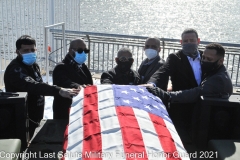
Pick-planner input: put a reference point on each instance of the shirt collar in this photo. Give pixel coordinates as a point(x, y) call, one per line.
point(150, 61)
point(198, 57)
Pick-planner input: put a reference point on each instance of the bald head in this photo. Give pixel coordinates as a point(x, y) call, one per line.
point(77, 43)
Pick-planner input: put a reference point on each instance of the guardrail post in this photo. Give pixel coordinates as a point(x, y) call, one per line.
point(89, 55)
point(46, 44)
point(163, 47)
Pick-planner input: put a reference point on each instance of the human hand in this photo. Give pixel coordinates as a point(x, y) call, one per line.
point(147, 85)
point(68, 93)
point(163, 95)
point(84, 86)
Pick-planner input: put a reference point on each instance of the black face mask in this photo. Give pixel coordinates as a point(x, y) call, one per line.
point(124, 66)
point(190, 50)
point(208, 67)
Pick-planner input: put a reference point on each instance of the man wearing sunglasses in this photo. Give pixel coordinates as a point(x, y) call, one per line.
point(122, 74)
point(72, 73)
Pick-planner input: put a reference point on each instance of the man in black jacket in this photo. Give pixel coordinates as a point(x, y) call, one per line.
point(183, 67)
point(23, 75)
point(216, 80)
point(153, 61)
point(122, 74)
point(71, 73)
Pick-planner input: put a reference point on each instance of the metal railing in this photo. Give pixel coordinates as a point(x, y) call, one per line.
point(46, 43)
point(19, 17)
point(103, 50)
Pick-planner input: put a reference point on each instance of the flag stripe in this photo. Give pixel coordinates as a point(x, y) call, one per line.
point(65, 143)
point(92, 142)
point(165, 137)
point(112, 142)
point(120, 122)
point(150, 138)
point(132, 137)
point(75, 127)
point(177, 140)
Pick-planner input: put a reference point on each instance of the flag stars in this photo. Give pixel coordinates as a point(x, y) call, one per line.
point(132, 89)
point(148, 107)
point(145, 97)
point(136, 98)
point(155, 106)
point(127, 101)
point(141, 89)
point(125, 92)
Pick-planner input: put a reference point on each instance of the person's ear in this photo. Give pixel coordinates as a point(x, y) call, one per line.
point(116, 59)
point(180, 41)
point(198, 40)
point(159, 49)
point(221, 61)
point(18, 53)
point(72, 52)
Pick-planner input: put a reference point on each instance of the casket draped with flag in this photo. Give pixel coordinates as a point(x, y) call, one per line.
point(120, 122)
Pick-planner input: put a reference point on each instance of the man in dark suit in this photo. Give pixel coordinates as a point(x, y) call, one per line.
point(215, 83)
point(73, 73)
point(153, 61)
point(183, 67)
point(216, 80)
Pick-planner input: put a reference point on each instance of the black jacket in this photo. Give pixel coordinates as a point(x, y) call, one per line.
point(177, 66)
point(19, 77)
point(68, 74)
point(115, 76)
point(146, 71)
point(212, 85)
point(179, 69)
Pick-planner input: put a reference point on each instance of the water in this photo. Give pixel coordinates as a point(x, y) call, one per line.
point(216, 20)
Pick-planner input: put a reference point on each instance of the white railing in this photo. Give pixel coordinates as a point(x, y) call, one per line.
point(19, 17)
point(46, 28)
point(103, 50)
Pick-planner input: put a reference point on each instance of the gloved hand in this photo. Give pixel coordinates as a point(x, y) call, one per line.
point(163, 95)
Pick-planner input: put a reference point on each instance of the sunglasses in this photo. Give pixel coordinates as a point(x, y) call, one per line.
point(80, 50)
point(124, 59)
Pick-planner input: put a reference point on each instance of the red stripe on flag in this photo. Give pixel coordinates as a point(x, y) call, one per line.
point(65, 142)
point(92, 141)
point(165, 137)
point(131, 134)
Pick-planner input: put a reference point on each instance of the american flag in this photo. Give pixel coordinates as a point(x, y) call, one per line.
point(120, 122)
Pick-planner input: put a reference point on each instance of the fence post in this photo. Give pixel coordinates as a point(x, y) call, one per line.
point(89, 51)
point(51, 13)
point(163, 44)
point(46, 44)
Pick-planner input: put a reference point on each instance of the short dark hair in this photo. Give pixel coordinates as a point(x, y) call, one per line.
point(123, 50)
point(26, 40)
point(189, 30)
point(154, 38)
point(218, 47)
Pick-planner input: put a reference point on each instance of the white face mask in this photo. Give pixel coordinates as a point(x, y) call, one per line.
point(150, 53)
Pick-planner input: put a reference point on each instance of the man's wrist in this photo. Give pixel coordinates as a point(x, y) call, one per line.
point(152, 83)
